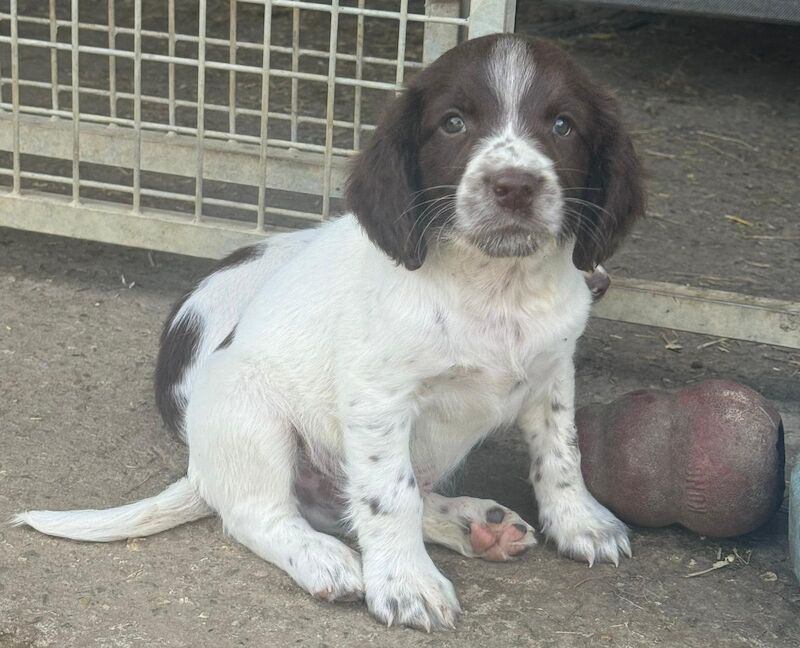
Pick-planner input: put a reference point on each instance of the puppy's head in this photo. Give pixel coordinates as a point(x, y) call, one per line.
point(502, 144)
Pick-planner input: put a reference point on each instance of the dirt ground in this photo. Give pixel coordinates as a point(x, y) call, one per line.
point(716, 110)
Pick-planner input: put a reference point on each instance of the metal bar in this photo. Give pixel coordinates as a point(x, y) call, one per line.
point(171, 56)
point(53, 56)
point(262, 163)
point(294, 107)
point(157, 193)
point(334, 43)
point(115, 224)
point(76, 116)
point(182, 130)
point(370, 13)
point(15, 143)
point(352, 11)
point(401, 42)
point(232, 73)
point(339, 123)
point(491, 16)
point(112, 60)
point(438, 37)
point(213, 65)
point(137, 104)
point(359, 74)
point(188, 38)
point(201, 97)
point(700, 310)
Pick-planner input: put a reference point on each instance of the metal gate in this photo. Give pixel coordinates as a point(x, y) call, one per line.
point(194, 127)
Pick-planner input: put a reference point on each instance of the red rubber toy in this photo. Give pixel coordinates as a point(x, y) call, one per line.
point(709, 456)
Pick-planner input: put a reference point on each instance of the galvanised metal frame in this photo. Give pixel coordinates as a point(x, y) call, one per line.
point(261, 160)
point(49, 139)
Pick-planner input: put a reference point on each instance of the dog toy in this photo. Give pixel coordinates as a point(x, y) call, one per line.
point(709, 457)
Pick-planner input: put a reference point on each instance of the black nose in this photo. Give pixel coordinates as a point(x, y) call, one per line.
point(514, 189)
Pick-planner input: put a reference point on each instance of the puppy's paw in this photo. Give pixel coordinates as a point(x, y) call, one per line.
point(417, 597)
point(328, 569)
point(476, 528)
point(498, 534)
point(584, 529)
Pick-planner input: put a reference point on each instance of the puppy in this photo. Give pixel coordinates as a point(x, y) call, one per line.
point(327, 380)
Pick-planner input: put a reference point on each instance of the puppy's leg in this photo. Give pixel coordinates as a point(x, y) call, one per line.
point(581, 527)
point(403, 585)
point(242, 460)
point(476, 528)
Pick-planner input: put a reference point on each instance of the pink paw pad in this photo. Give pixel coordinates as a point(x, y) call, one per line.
point(502, 536)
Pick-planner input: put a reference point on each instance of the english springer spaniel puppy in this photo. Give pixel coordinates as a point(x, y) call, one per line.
point(327, 380)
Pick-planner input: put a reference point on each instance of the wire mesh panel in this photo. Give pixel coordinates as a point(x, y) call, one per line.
point(194, 126)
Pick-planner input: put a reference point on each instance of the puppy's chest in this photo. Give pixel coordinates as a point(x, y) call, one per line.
point(483, 370)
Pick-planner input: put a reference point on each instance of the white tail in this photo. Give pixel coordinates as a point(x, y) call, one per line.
point(177, 504)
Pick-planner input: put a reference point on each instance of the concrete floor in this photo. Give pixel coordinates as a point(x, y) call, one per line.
point(78, 428)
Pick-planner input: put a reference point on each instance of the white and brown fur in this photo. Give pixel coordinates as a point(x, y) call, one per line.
point(327, 380)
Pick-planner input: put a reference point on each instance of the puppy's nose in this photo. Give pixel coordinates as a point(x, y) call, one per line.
point(514, 189)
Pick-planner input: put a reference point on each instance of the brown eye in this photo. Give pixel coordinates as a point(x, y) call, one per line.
point(562, 126)
point(453, 125)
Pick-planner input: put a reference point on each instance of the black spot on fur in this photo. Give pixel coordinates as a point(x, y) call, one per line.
point(495, 515)
point(539, 461)
point(537, 477)
point(564, 484)
point(444, 509)
point(374, 458)
point(374, 506)
point(556, 406)
point(228, 340)
point(411, 481)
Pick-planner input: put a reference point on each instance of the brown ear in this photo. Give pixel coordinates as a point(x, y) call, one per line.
point(384, 182)
point(614, 197)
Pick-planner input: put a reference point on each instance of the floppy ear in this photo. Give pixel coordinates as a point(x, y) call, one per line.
point(614, 197)
point(385, 180)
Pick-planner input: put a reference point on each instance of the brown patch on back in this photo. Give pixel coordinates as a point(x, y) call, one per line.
point(180, 341)
point(238, 257)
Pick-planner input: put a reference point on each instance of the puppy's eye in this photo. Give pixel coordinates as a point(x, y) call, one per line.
point(453, 125)
point(562, 126)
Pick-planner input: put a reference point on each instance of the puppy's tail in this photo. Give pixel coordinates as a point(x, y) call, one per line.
point(177, 504)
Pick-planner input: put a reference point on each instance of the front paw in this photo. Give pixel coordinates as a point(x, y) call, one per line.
point(419, 597)
point(584, 529)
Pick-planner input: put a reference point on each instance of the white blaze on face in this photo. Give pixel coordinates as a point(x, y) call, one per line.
point(511, 73)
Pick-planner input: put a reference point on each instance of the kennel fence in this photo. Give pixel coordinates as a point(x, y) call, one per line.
point(196, 127)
